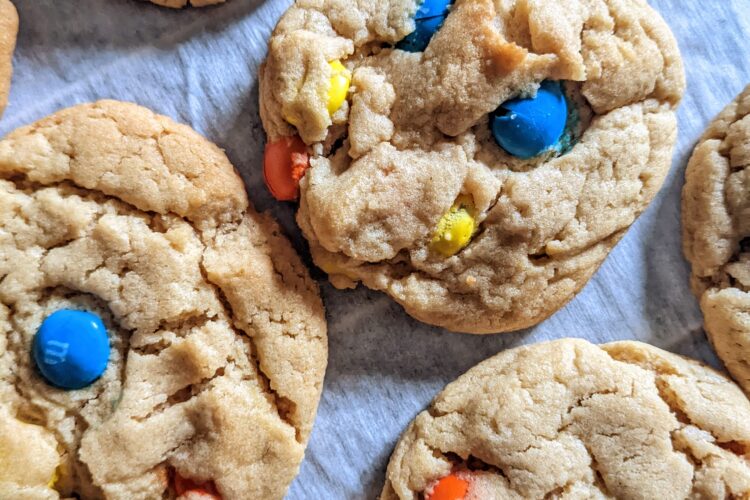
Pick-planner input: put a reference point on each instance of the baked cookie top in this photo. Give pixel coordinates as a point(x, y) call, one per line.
point(408, 192)
point(8, 32)
point(716, 233)
point(217, 333)
point(569, 419)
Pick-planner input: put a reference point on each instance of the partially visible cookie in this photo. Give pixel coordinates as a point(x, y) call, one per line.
point(114, 218)
point(716, 233)
point(569, 419)
point(8, 32)
point(178, 4)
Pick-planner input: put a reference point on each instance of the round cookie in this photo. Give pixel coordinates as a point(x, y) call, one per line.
point(716, 233)
point(217, 333)
point(568, 419)
point(178, 4)
point(409, 160)
point(8, 32)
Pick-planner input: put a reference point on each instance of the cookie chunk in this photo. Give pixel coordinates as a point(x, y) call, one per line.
point(8, 32)
point(114, 218)
point(481, 181)
point(569, 419)
point(716, 233)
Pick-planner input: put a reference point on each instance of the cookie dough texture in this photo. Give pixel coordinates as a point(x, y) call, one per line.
point(8, 32)
point(218, 334)
point(414, 135)
point(569, 419)
point(716, 233)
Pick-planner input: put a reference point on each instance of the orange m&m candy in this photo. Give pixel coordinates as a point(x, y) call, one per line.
point(187, 489)
point(450, 487)
point(284, 164)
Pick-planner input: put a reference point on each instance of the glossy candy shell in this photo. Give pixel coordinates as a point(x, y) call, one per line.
point(528, 127)
point(449, 488)
point(428, 19)
point(433, 8)
point(279, 161)
point(340, 81)
point(71, 349)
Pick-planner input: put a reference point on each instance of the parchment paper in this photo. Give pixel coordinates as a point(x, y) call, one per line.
point(199, 66)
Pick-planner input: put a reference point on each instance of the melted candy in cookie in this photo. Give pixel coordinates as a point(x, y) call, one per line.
point(71, 349)
point(338, 88)
point(187, 489)
point(450, 487)
point(284, 164)
point(286, 160)
point(340, 81)
point(529, 126)
point(456, 228)
point(428, 19)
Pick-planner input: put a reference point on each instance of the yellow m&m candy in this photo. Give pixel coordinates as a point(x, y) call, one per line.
point(455, 229)
point(339, 83)
point(53, 480)
point(341, 78)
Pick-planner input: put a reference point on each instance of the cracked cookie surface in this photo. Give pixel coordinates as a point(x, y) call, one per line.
point(8, 33)
point(218, 336)
point(568, 419)
point(716, 233)
point(414, 136)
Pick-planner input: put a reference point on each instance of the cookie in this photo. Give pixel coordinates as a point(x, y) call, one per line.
point(8, 32)
point(178, 4)
point(569, 419)
point(716, 233)
point(480, 182)
point(117, 220)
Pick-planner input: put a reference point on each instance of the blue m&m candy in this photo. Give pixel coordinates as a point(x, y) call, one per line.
point(428, 19)
point(71, 348)
point(528, 127)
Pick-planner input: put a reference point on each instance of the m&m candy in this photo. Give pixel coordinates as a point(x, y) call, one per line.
point(450, 487)
point(71, 348)
point(187, 489)
point(429, 18)
point(341, 79)
point(456, 227)
point(339, 83)
point(284, 164)
point(527, 127)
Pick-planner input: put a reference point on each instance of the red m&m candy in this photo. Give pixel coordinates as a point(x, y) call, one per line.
point(284, 164)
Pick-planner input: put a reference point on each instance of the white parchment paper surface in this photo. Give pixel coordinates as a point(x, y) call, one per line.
point(199, 66)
